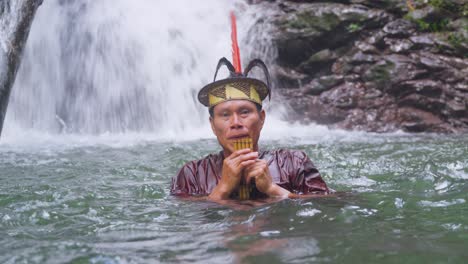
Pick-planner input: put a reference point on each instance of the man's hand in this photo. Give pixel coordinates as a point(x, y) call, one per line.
point(263, 182)
point(232, 172)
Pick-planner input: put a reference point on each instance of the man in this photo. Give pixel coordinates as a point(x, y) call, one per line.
point(235, 107)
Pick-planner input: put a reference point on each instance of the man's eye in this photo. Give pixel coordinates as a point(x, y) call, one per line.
point(245, 112)
point(225, 114)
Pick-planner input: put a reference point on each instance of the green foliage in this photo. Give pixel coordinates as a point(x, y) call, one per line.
point(449, 6)
point(435, 26)
point(380, 73)
point(446, 5)
point(448, 10)
point(353, 27)
point(305, 20)
point(456, 39)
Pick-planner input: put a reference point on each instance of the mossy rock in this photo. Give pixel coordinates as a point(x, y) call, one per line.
point(380, 74)
point(326, 17)
point(323, 22)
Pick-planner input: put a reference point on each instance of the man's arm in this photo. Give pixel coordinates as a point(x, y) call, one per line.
point(184, 184)
point(305, 178)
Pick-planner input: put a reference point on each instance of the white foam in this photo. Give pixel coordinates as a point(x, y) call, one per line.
point(442, 203)
point(269, 233)
point(399, 203)
point(358, 182)
point(308, 212)
point(457, 170)
point(452, 227)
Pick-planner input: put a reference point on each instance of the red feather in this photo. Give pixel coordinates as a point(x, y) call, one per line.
point(235, 47)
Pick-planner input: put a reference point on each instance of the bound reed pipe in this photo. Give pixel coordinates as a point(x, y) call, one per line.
point(244, 188)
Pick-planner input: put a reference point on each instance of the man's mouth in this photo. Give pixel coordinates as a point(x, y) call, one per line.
point(238, 137)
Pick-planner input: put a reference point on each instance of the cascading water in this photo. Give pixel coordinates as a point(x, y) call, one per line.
point(123, 66)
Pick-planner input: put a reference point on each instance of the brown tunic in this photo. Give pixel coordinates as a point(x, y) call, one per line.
point(290, 169)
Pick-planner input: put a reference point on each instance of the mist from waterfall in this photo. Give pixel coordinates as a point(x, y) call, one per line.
point(119, 66)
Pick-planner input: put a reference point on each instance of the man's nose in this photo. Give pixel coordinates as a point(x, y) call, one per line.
point(236, 121)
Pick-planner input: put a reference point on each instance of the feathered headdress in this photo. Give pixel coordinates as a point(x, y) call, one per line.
point(238, 86)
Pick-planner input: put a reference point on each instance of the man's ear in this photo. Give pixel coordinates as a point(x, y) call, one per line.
point(212, 125)
point(262, 117)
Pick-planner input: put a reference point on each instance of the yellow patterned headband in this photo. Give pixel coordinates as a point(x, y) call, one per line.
point(233, 91)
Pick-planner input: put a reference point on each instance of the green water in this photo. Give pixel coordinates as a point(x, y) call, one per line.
point(403, 199)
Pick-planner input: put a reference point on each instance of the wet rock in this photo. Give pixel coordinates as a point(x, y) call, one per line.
point(380, 74)
point(377, 39)
point(415, 120)
point(427, 87)
point(422, 102)
point(331, 80)
point(399, 45)
point(370, 68)
point(322, 84)
point(462, 86)
point(399, 28)
point(426, 13)
point(459, 63)
point(288, 77)
point(458, 107)
point(319, 26)
point(318, 61)
point(430, 61)
point(366, 47)
point(360, 57)
point(352, 77)
point(421, 40)
point(392, 6)
point(314, 88)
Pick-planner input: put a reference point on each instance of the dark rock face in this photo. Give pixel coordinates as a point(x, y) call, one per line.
point(373, 65)
point(16, 17)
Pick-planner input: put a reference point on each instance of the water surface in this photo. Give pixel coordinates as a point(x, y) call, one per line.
point(402, 199)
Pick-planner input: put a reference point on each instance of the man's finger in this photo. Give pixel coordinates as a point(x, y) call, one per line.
point(247, 156)
point(258, 164)
point(239, 152)
point(248, 178)
point(252, 174)
point(247, 163)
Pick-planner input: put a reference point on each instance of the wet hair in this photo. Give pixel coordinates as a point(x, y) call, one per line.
point(211, 111)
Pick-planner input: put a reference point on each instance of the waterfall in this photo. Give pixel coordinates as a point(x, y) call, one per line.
point(134, 68)
point(122, 66)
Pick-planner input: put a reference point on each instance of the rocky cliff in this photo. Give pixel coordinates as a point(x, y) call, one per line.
point(16, 17)
point(380, 65)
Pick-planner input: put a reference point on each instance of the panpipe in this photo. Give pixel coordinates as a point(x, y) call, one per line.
point(244, 188)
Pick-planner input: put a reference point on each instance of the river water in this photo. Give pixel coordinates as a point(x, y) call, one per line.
point(402, 198)
point(103, 114)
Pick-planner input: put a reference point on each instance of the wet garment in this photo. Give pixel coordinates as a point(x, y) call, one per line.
point(290, 169)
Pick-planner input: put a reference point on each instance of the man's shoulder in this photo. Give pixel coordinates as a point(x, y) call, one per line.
point(196, 175)
point(287, 153)
point(209, 159)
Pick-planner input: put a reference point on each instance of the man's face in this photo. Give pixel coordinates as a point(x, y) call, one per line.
point(236, 119)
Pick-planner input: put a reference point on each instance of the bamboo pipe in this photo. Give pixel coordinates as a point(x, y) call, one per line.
point(244, 188)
